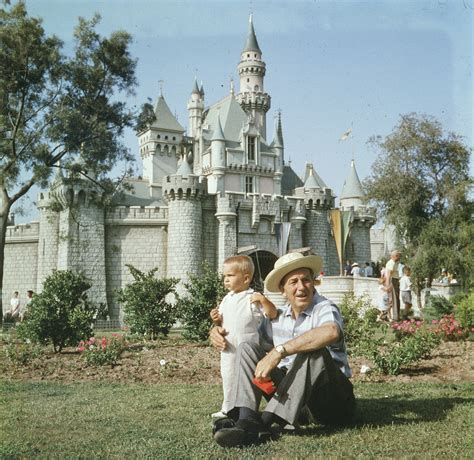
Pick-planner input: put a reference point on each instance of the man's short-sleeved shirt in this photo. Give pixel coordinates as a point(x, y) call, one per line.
point(284, 328)
point(393, 267)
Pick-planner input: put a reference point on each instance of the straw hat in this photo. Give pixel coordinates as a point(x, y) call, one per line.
point(355, 264)
point(286, 264)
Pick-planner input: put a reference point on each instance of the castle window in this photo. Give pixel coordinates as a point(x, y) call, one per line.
point(166, 137)
point(159, 137)
point(248, 55)
point(248, 184)
point(251, 148)
point(174, 138)
point(248, 80)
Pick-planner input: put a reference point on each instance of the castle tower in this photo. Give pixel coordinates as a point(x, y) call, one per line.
point(217, 158)
point(195, 109)
point(353, 199)
point(278, 148)
point(251, 68)
point(184, 192)
point(48, 232)
point(160, 144)
point(80, 231)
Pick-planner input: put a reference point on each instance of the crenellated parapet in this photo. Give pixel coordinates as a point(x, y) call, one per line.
point(363, 215)
point(257, 101)
point(137, 215)
point(179, 187)
point(23, 232)
point(316, 198)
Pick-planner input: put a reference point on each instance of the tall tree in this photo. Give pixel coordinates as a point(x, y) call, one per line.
point(420, 182)
point(55, 107)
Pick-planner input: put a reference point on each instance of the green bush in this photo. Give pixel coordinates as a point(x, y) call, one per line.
point(360, 324)
point(61, 314)
point(147, 309)
point(464, 311)
point(437, 307)
point(22, 353)
point(389, 359)
point(204, 292)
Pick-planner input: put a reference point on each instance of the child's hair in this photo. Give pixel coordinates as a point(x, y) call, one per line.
point(406, 270)
point(243, 263)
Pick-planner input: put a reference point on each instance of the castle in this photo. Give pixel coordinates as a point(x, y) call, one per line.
point(221, 188)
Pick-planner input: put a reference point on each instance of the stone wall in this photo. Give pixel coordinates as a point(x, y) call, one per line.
point(144, 247)
point(335, 287)
point(358, 245)
point(21, 261)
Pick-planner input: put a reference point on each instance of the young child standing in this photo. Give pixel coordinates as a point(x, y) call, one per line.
point(405, 291)
point(240, 314)
point(384, 303)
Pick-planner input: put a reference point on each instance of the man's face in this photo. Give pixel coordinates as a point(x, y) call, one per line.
point(396, 257)
point(298, 288)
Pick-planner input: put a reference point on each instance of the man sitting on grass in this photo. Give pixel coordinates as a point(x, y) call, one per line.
point(307, 361)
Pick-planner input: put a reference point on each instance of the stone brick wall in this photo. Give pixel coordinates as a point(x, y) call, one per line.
point(21, 261)
point(209, 233)
point(144, 247)
point(358, 244)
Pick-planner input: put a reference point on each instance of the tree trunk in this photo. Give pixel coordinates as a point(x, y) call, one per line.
point(4, 210)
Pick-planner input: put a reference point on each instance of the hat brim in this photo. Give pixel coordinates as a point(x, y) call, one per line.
point(273, 279)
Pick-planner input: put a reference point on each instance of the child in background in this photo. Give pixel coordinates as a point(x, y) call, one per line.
point(240, 314)
point(384, 302)
point(405, 291)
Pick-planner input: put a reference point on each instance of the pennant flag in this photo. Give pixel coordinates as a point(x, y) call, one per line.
point(346, 135)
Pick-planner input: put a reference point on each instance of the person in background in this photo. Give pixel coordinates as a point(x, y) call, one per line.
point(24, 311)
point(369, 271)
point(348, 268)
point(356, 272)
point(405, 291)
point(392, 283)
point(14, 312)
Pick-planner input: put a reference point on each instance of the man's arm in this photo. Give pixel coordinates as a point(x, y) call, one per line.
point(315, 339)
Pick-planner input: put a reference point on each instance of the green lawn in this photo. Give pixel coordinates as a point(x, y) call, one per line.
point(90, 420)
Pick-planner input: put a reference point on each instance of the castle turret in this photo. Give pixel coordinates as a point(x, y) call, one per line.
point(73, 216)
point(195, 109)
point(160, 144)
point(278, 148)
point(251, 70)
point(48, 231)
point(363, 217)
point(184, 193)
point(217, 158)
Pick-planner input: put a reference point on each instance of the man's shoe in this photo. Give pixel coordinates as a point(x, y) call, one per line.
point(222, 423)
point(244, 433)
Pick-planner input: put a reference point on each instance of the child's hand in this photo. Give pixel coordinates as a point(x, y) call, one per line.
point(215, 316)
point(257, 297)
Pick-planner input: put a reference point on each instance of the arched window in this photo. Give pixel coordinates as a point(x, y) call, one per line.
point(251, 148)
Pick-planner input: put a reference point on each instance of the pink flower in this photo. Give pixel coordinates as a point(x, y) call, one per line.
point(434, 321)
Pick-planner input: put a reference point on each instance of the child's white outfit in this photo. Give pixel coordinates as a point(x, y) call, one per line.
point(240, 318)
point(405, 289)
point(383, 304)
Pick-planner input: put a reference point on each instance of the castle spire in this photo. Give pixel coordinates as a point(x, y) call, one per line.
point(278, 139)
point(251, 43)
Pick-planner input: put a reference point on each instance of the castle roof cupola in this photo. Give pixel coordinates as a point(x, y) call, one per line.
point(278, 139)
point(251, 43)
point(196, 89)
point(352, 187)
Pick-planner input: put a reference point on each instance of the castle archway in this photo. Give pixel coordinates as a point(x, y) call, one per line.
point(264, 262)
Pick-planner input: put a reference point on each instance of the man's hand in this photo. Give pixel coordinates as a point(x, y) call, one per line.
point(266, 365)
point(217, 337)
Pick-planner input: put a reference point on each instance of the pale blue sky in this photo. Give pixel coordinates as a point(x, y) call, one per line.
point(329, 64)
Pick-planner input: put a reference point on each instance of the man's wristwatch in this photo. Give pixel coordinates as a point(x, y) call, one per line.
point(280, 349)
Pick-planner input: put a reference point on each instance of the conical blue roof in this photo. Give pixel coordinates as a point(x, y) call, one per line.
point(352, 187)
point(164, 118)
point(251, 44)
point(218, 135)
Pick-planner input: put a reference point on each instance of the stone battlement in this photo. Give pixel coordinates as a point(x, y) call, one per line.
point(136, 215)
point(183, 187)
point(23, 232)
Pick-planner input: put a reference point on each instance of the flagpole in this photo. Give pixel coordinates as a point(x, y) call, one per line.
point(352, 139)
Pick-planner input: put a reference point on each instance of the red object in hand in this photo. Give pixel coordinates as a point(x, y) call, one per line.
point(267, 386)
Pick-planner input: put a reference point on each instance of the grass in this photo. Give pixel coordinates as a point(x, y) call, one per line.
point(98, 420)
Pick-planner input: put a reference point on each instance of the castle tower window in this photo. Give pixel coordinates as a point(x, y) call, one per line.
point(248, 184)
point(251, 148)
